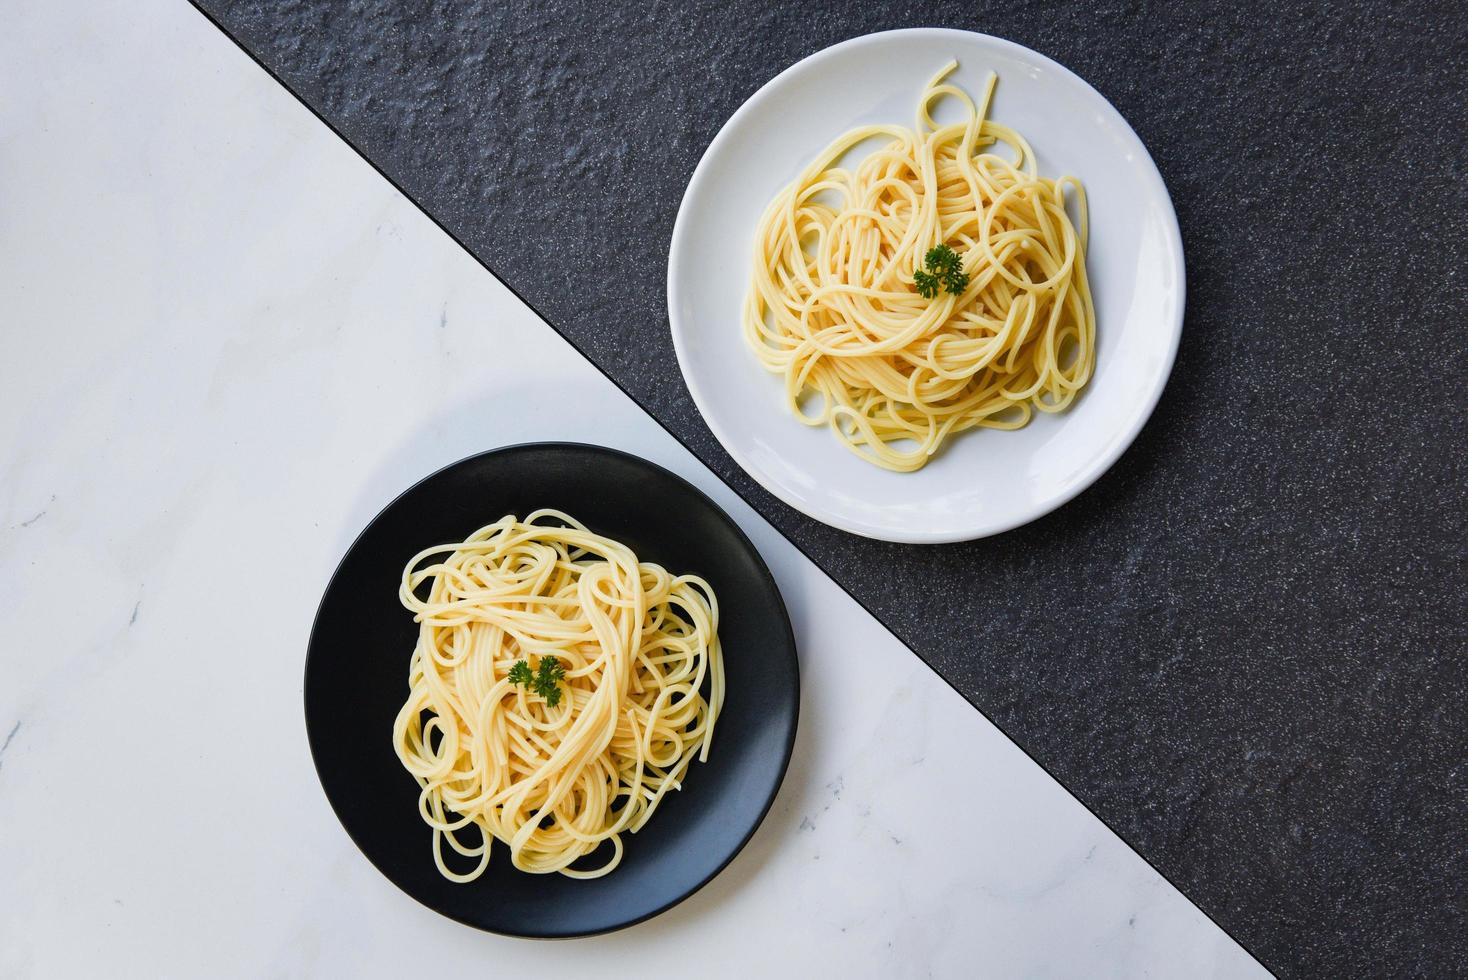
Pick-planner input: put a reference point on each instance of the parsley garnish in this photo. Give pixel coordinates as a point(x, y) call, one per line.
point(944, 270)
point(520, 674)
point(548, 678)
point(545, 681)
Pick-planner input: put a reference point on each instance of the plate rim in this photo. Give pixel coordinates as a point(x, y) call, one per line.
point(968, 532)
point(765, 575)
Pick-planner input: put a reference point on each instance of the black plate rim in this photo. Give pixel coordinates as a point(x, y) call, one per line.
point(766, 576)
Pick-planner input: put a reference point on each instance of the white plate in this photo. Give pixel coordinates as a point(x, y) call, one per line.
point(986, 480)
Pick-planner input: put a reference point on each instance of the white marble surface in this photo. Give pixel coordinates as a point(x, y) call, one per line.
point(226, 343)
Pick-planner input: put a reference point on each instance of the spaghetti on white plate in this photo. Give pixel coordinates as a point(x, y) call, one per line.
point(935, 287)
point(555, 692)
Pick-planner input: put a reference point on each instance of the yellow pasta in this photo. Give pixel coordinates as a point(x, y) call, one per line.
point(833, 305)
point(495, 760)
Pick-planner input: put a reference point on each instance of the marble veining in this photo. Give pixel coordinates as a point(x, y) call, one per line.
point(15, 729)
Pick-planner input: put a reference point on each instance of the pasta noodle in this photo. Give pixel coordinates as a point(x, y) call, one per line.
point(833, 305)
point(553, 782)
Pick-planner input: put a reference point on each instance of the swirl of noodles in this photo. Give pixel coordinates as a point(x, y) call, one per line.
point(638, 646)
point(833, 305)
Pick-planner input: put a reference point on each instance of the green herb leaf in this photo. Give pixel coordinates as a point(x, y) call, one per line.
point(548, 676)
point(956, 281)
point(945, 268)
point(927, 285)
point(941, 259)
point(545, 680)
point(520, 674)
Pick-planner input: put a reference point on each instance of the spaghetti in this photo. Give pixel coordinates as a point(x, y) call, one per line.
point(553, 777)
point(833, 305)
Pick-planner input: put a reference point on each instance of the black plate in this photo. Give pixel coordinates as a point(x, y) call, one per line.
point(357, 678)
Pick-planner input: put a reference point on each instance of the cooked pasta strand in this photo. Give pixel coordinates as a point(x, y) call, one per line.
point(643, 685)
point(833, 307)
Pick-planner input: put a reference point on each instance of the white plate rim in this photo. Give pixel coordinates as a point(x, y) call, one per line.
point(980, 529)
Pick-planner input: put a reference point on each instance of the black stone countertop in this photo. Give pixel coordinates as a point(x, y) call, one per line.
point(1246, 648)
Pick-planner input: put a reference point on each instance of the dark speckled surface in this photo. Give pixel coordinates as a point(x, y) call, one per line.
point(1245, 647)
